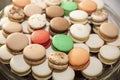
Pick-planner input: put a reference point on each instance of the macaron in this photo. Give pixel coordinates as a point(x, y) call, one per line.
point(98, 17)
point(54, 11)
point(79, 16)
point(16, 14)
point(100, 4)
point(81, 45)
point(108, 32)
point(35, 9)
point(25, 26)
point(79, 32)
point(42, 71)
point(94, 43)
point(4, 20)
point(40, 3)
point(43, 39)
point(16, 42)
point(53, 2)
point(34, 54)
point(92, 72)
point(62, 43)
point(116, 42)
point(78, 58)
point(11, 27)
point(68, 6)
point(20, 3)
point(87, 5)
point(63, 75)
point(109, 54)
point(2, 39)
point(5, 55)
point(58, 25)
point(6, 9)
point(19, 66)
point(58, 61)
point(37, 21)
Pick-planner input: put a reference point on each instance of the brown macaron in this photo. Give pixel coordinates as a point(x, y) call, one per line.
point(34, 54)
point(11, 27)
point(35, 10)
point(54, 11)
point(108, 32)
point(16, 14)
point(87, 5)
point(59, 25)
point(16, 42)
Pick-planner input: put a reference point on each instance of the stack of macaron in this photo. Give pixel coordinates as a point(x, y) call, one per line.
point(53, 39)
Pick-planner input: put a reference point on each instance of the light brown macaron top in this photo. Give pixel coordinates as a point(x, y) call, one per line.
point(108, 31)
point(58, 58)
point(87, 5)
point(54, 11)
point(11, 27)
point(17, 41)
point(31, 9)
point(21, 3)
point(34, 52)
point(59, 24)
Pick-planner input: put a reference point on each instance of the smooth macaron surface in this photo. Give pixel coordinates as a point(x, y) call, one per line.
point(78, 56)
point(40, 36)
point(62, 42)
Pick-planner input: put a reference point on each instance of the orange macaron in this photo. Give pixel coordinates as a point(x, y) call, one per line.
point(87, 5)
point(41, 37)
point(78, 58)
point(21, 3)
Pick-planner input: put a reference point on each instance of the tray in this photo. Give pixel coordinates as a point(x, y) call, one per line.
point(107, 72)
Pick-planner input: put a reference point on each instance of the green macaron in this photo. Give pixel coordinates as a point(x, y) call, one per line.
point(62, 43)
point(68, 6)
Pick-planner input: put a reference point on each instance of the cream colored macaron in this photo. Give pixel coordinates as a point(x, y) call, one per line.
point(5, 55)
point(109, 54)
point(79, 33)
point(37, 21)
point(2, 38)
point(52, 2)
point(82, 45)
point(94, 43)
point(94, 69)
point(79, 16)
point(116, 42)
point(19, 66)
point(42, 71)
point(68, 74)
point(4, 20)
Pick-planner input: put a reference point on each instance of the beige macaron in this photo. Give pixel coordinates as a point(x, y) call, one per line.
point(37, 21)
point(58, 61)
point(53, 2)
point(16, 14)
point(109, 54)
point(11, 27)
point(94, 43)
point(79, 16)
point(108, 32)
point(16, 42)
point(5, 55)
point(79, 33)
point(34, 54)
point(19, 66)
point(31, 9)
point(42, 71)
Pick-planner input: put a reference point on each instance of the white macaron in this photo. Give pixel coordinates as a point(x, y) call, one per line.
point(94, 69)
point(100, 4)
point(109, 54)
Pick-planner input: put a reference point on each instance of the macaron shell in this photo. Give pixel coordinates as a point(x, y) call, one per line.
point(17, 41)
point(20, 3)
point(35, 9)
point(47, 45)
point(40, 36)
